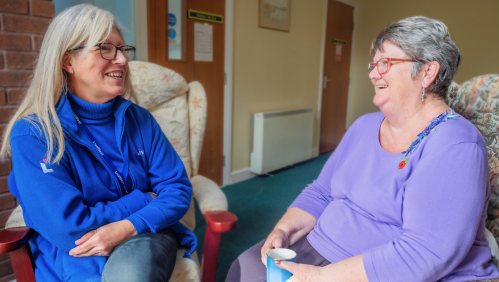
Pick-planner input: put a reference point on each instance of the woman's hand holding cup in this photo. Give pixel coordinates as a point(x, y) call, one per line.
point(277, 239)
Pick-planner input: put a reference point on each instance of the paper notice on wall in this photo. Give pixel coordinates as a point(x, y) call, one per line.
point(203, 42)
point(338, 52)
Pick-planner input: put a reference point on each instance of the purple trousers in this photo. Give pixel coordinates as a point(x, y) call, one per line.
point(248, 267)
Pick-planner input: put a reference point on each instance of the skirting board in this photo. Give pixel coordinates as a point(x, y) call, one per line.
point(315, 152)
point(245, 173)
point(241, 175)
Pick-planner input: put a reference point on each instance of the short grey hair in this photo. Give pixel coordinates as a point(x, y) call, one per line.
point(425, 40)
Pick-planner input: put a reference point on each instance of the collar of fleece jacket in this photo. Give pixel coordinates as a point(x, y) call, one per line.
point(68, 121)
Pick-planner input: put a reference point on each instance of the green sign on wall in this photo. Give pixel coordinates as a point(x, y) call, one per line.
point(339, 42)
point(196, 15)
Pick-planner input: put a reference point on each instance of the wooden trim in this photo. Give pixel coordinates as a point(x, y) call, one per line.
point(241, 175)
point(22, 264)
point(15, 238)
point(217, 222)
point(183, 28)
point(354, 4)
point(229, 48)
point(15, 242)
point(141, 30)
point(209, 259)
point(220, 221)
point(151, 31)
point(321, 74)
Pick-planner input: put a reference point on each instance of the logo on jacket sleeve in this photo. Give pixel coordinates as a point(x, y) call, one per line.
point(140, 152)
point(44, 167)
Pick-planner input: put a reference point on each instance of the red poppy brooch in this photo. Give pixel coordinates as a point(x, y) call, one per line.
point(402, 164)
point(422, 136)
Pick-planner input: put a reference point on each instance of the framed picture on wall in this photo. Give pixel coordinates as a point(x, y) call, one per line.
point(274, 14)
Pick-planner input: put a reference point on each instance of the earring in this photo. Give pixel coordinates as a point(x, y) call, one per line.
point(422, 96)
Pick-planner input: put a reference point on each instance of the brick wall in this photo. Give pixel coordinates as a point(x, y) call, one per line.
point(22, 26)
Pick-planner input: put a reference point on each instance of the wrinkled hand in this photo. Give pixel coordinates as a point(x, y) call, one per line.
point(103, 240)
point(277, 239)
point(301, 272)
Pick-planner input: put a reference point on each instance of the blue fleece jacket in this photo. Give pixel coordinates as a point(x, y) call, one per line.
point(63, 201)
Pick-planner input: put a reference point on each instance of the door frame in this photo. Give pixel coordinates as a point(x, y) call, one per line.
point(229, 48)
point(354, 4)
point(140, 17)
point(142, 54)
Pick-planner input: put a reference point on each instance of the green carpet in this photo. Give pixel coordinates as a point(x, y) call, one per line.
point(259, 203)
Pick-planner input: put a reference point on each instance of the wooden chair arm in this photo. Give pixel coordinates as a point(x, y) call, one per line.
point(217, 222)
point(12, 239)
point(15, 242)
point(221, 221)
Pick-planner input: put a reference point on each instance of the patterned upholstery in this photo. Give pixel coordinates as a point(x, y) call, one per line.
point(163, 92)
point(180, 110)
point(197, 117)
point(477, 100)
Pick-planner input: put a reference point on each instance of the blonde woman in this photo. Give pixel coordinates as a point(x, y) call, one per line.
point(101, 211)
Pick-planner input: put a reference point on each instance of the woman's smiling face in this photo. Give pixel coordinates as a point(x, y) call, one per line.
point(395, 89)
point(94, 79)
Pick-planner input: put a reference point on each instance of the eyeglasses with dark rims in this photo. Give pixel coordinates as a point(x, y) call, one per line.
point(108, 51)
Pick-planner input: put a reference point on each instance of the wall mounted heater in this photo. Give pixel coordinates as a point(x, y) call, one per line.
point(279, 139)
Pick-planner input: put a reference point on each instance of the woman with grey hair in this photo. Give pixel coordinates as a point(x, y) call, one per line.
point(100, 210)
point(404, 196)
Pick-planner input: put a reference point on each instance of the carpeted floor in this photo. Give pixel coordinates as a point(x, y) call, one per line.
point(258, 203)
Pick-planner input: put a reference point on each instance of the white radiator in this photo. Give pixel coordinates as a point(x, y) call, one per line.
point(280, 139)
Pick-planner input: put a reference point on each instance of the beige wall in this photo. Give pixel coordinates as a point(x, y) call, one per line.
point(473, 25)
point(273, 70)
point(276, 71)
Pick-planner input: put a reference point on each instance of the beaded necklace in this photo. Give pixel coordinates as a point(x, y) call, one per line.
point(421, 136)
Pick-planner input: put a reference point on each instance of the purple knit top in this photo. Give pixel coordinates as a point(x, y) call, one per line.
point(418, 216)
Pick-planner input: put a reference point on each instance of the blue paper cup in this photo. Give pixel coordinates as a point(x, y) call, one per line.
point(274, 273)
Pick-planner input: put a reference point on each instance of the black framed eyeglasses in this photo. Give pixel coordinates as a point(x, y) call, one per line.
point(108, 51)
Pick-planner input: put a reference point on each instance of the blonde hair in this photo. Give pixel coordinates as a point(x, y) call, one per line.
point(77, 26)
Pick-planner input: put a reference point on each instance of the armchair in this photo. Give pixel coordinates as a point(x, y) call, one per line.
point(477, 100)
point(180, 110)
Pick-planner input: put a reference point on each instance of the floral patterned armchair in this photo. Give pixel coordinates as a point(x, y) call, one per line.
point(180, 110)
point(477, 100)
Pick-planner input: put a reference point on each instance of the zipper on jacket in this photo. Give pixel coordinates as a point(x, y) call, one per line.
point(122, 131)
point(113, 178)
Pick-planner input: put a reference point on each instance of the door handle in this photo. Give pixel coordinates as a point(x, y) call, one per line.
point(325, 81)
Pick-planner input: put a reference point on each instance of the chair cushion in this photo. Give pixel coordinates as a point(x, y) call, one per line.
point(164, 93)
point(155, 84)
point(197, 116)
point(478, 101)
point(186, 270)
point(208, 195)
point(173, 119)
point(16, 219)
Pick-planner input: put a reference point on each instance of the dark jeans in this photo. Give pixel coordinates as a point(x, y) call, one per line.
point(147, 257)
point(249, 267)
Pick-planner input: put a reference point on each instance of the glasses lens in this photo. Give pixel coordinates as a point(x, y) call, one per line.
point(382, 66)
point(370, 68)
point(107, 51)
point(128, 52)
